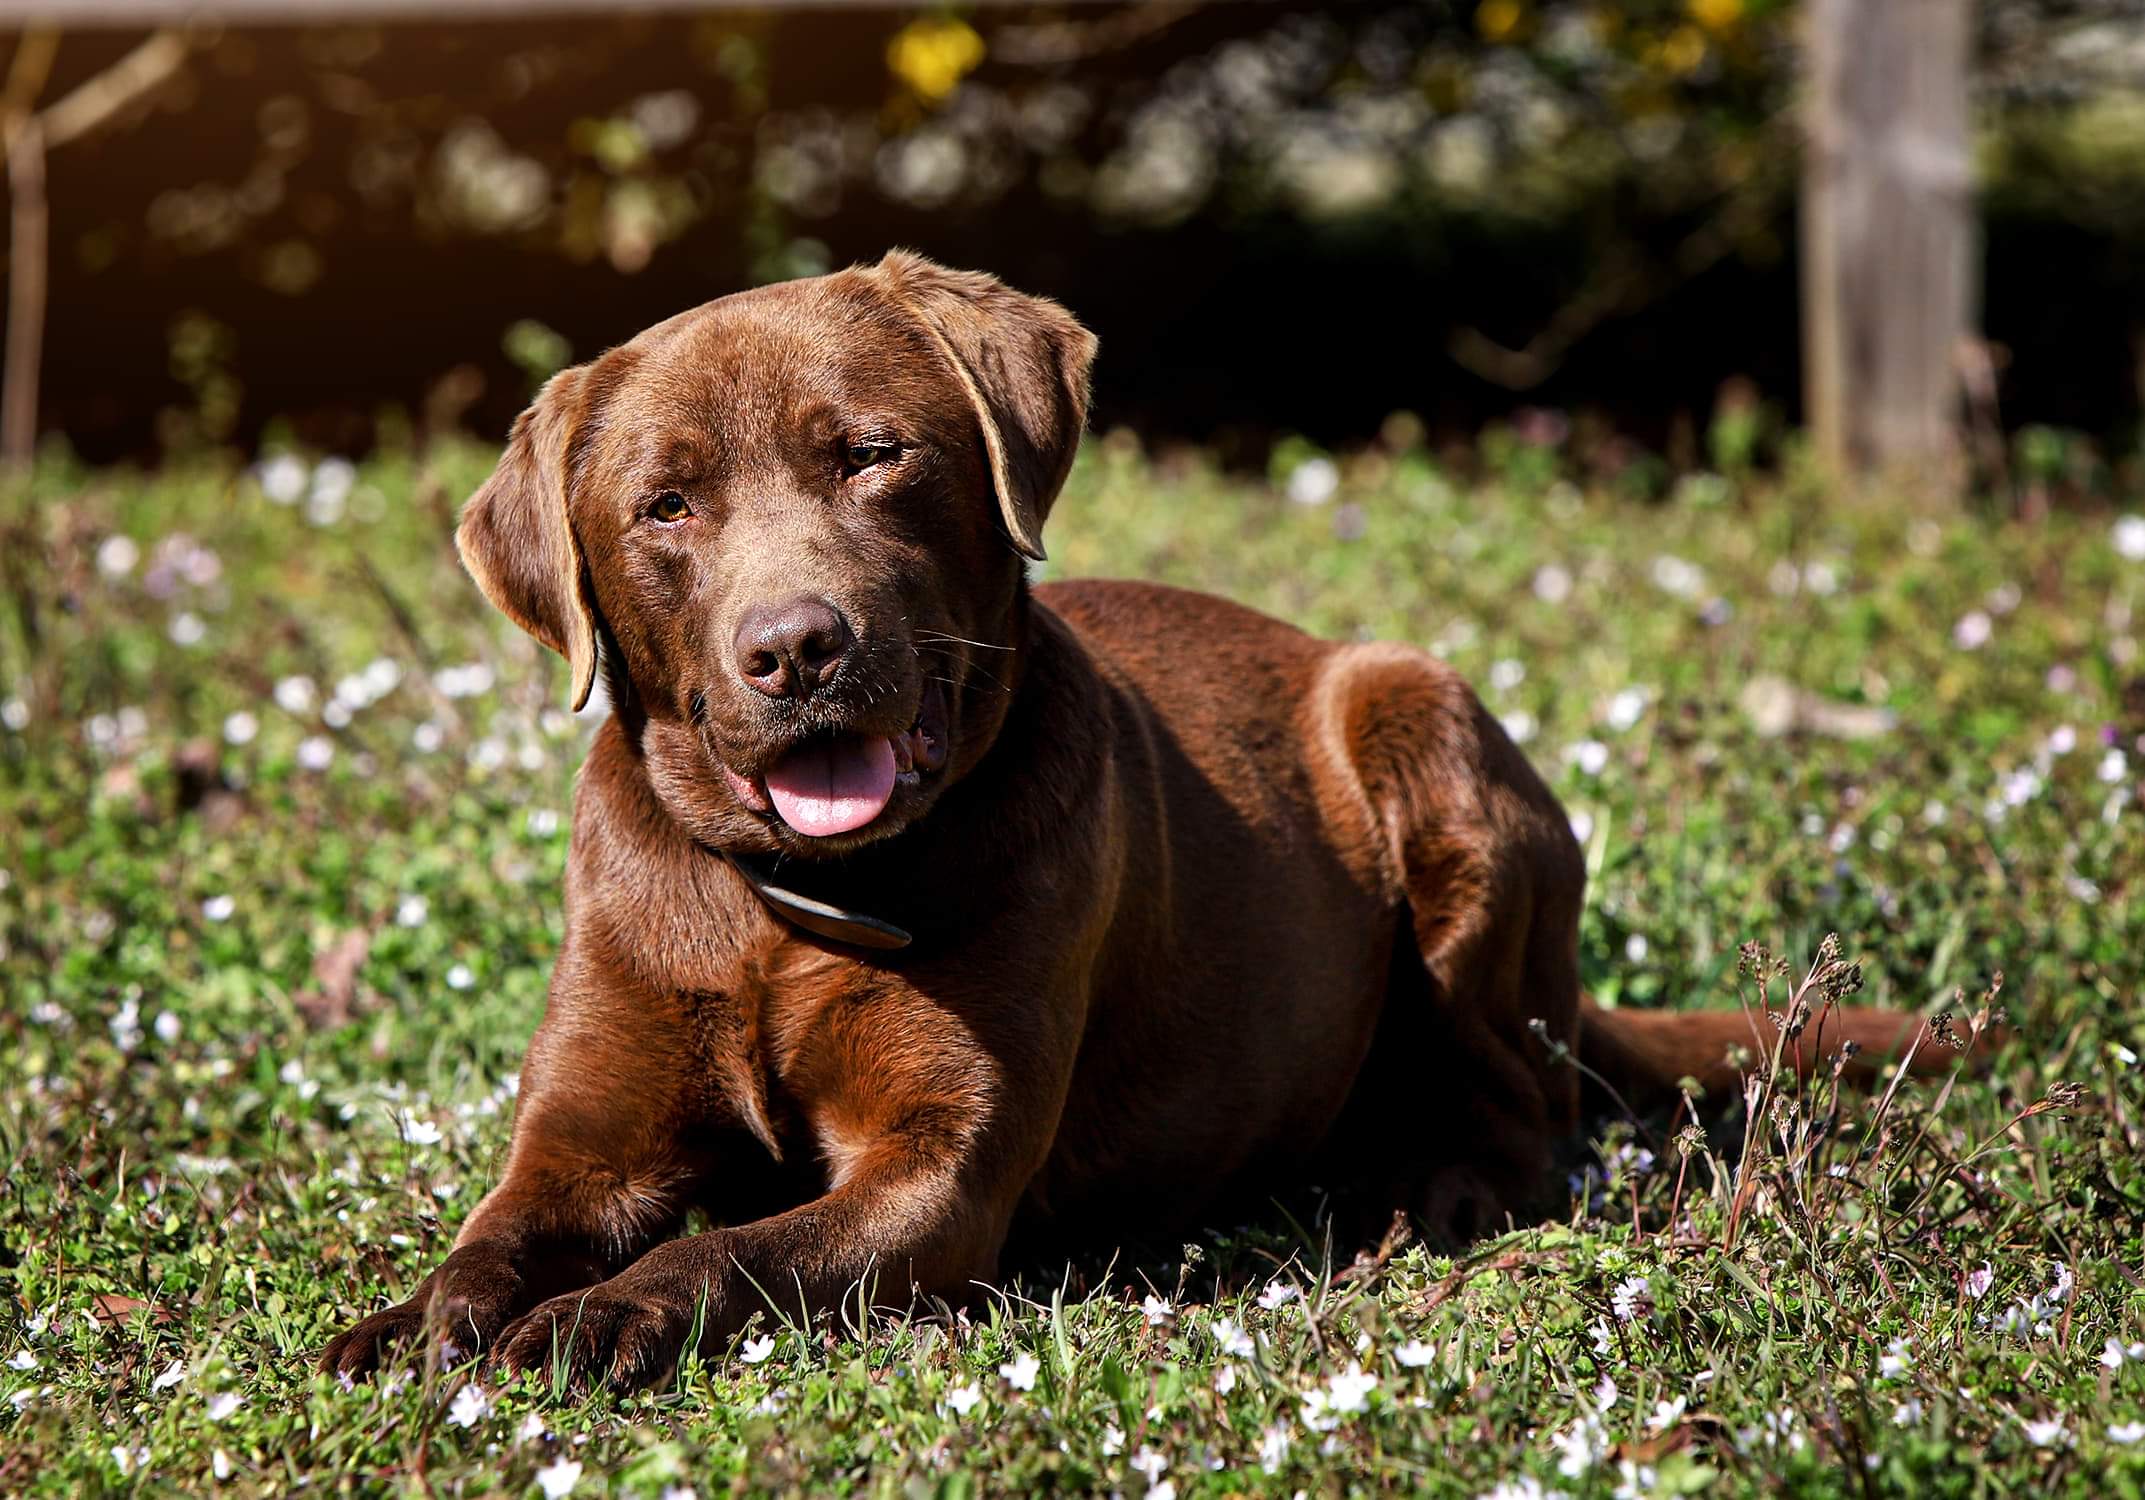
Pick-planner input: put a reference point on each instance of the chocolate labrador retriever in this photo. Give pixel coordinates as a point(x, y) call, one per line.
point(909, 905)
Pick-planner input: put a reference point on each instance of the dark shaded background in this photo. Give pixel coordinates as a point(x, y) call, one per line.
point(317, 230)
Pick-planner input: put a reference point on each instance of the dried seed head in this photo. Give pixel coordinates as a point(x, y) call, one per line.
point(1940, 1027)
point(1690, 1140)
point(1752, 961)
point(2062, 1096)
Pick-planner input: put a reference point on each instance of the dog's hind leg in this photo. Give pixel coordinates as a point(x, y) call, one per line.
point(1481, 861)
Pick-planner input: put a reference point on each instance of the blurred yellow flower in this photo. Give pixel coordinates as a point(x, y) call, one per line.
point(934, 53)
point(1715, 15)
point(1496, 20)
point(1683, 50)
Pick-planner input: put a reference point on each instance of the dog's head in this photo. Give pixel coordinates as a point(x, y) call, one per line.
point(796, 518)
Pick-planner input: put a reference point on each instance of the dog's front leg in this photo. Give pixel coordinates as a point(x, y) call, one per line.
point(932, 1112)
point(893, 1233)
point(611, 1140)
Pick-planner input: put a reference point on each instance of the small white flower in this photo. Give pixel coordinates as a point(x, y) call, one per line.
point(558, 1479)
point(465, 681)
point(1157, 1310)
point(1225, 1380)
point(1165, 1489)
point(1907, 1413)
point(223, 1405)
point(24, 1360)
point(678, 1492)
point(1672, 575)
point(753, 1351)
point(1149, 1463)
point(1273, 1447)
point(1626, 708)
point(1552, 583)
point(1020, 1372)
point(1314, 481)
point(219, 908)
point(420, 1132)
point(2113, 767)
point(1349, 1391)
point(427, 737)
point(470, 1406)
point(15, 714)
point(1979, 1282)
point(1507, 674)
point(2062, 740)
point(187, 629)
point(1606, 1394)
point(167, 1027)
point(240, 728)
point(1580, 1447)
point(294, 695)
point(1601, 1335)
point(2129, 537)
point(117, 555)
point(2126, 1433)
point(531, 1428)
point(963, 1399)
point(1232, 1340)
point(2049, 1434)
point(1973, 630)
point(1582, 827)
point(2117, 1351)
point(1518, 1487)
point(1276, 1293)
point(412, 912)
point(220, 1464)
point(1636, 947)
point(460, 978)
point(543, 822)
point(282, 478)
point(1631, 1299)
point(1415, 1353)
point(1666, 1414)
point(1896, 1360)
point(1520, 725)
point(1113, 1440)
point(1590, 756)
point(315, 752)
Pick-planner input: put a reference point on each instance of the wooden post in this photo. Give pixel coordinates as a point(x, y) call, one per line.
point(1887, 237)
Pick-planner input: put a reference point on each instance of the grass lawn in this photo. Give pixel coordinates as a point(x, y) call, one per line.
point(282, 823)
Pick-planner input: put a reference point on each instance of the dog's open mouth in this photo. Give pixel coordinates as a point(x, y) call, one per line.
point(837, 783)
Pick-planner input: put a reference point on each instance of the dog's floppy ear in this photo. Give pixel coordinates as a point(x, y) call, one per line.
point(517, 540)
point(1024, 364)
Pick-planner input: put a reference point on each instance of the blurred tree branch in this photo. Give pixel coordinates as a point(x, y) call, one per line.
point(28, 133)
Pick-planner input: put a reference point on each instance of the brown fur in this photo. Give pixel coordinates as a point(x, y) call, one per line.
point(1195, 896)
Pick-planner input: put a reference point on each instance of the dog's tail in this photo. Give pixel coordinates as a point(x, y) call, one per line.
point(1643, 1054)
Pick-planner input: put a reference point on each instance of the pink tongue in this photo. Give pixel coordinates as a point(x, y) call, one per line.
point(832, 786)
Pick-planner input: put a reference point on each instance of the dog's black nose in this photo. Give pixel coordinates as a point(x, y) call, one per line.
point(787, 650)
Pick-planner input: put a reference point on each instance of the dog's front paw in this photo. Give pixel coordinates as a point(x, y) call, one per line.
point(461, 1307)
point(624, 1333)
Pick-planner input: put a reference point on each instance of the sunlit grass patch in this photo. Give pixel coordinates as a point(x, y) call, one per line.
point(282, 825)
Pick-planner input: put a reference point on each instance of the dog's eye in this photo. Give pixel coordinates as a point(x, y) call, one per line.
point(670, 506)
point(863, 456)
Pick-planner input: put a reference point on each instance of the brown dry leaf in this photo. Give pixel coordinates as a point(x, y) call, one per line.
point(113, 1307)
point(333, 1001)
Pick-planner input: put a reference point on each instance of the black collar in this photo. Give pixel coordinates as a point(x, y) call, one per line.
point(818, 917)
